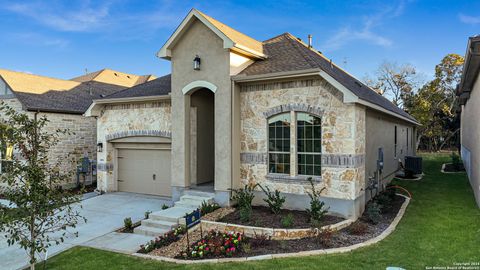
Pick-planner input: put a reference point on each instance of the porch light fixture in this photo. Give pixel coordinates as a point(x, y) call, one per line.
point(99, 147)
point(196, 63)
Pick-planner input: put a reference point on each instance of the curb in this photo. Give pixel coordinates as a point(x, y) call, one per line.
point(369, 242)
point(443, 169)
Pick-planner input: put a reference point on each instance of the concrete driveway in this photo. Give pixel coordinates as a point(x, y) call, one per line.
point(104, 214)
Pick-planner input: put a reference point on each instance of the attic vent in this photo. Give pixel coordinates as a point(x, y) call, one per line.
point(128, 76)
point(102, 95)
point(116, 74)
point(357, 83)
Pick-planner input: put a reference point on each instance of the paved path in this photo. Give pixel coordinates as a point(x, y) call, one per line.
point(104, 214)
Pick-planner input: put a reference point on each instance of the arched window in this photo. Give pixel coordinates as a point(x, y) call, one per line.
point(279, 143)
point(309, 145)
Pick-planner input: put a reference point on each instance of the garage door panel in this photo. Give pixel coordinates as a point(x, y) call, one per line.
point(144, 171)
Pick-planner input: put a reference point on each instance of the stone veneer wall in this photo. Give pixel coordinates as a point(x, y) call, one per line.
point(133, 119)
point(343, 136)
point(81, 142)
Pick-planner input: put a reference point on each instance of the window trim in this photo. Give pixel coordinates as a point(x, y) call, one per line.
point(308, 153)
point(279, 152)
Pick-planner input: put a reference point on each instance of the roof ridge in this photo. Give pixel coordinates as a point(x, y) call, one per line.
point(277, 36)
point(291, 38)
point(129, 88)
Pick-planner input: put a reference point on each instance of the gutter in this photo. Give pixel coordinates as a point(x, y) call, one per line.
point(93, 109)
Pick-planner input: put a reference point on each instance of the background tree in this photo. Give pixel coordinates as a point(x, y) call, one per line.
point(395, 82)
point(40, 212)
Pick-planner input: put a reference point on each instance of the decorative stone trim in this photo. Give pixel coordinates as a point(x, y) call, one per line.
point(254, 158)
point(287, 178)
point(133, 133)
point(343, 161)
point(328, 160)
point(104, 167)
point(275, 234)
point(369, 242)
point(297, 107)
point(284, 85)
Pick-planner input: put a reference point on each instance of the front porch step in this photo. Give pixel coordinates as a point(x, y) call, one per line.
point(173, 214)
point(161, 224)
point(198, 193)
point(196, 200)
point(149, 231)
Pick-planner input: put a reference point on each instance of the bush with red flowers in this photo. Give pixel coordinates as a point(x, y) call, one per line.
point(163, 240)
point(216, 244)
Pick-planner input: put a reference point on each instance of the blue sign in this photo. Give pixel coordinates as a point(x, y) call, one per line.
point(192, 219)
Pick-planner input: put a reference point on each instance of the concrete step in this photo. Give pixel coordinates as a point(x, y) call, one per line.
point(185, 204)
point(149, 231)
point(198, 193)
point(161, 224)
point(172, 214)
point(196, 200)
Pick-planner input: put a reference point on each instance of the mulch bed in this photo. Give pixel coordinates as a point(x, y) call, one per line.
point(262, 245)
point(263, 217)
point(125, 230)
point(449, 167)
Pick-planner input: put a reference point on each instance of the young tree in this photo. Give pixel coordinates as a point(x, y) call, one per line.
point(395, 82)
point(40, 212)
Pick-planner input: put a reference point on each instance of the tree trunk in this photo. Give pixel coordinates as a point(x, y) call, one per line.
point(417, 143)
point(448, 139)
point(32, 243)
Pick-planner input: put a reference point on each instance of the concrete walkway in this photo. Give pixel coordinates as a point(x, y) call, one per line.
point(104, 214)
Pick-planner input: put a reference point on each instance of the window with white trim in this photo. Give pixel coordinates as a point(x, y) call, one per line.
point(309, 145)
point(279, 143)
point(6, 152)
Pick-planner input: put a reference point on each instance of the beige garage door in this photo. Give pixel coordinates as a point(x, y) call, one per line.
point(144, 171)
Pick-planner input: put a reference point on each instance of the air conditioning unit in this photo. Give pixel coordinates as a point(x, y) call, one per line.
point(413, 165)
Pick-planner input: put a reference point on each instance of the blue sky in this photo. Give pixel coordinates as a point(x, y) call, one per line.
point(63, 38)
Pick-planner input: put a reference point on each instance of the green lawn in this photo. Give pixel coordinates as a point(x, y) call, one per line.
point(441, 227)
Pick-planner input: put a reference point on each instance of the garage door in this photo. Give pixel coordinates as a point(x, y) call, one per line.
point(144, 171)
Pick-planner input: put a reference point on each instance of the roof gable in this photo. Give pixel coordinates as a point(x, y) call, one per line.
point(232, 39)
point(35, 84)
point(109, 76)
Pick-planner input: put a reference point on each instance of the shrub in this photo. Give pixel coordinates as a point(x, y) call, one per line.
point(206, 208)
point(287, 221)
point(259, 240)
point(455, 161)
point(373, 212)
point(147, 214)
point(326, 237)
point(386, 198)
point(246, 247)
point(358, 228)
point(244, 197)
point(274, 200)
point(128, 224)
point(316, 210)
point(164, 206)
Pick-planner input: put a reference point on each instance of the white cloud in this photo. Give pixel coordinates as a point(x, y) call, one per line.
point(36, 39)
point(469, 19)
point(366, 31)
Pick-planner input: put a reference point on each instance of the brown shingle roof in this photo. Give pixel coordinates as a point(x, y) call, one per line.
point(157, 87)
point(286, 53)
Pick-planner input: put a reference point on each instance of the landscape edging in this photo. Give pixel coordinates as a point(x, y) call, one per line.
point(369, 242)
point(443, 169)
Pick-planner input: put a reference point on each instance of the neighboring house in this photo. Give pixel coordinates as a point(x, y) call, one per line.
point(468, 93)
point(238, 111)
point(63, 102)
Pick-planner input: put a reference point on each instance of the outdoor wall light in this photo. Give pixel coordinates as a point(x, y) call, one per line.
point(99, 147)
point(196, 63)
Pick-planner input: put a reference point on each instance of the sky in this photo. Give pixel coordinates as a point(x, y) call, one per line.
point(63, 39)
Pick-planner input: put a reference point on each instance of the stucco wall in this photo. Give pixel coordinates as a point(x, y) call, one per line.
point(118, 119)
point(380, 130)
point(470, 134)
point(81, 141)
point(343, 127)
point(215, 69)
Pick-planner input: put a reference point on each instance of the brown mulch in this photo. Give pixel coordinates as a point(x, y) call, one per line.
point(177, 247)
point(263, 217)
point(342, 238)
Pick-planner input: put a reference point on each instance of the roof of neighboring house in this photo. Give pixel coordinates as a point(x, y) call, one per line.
point(114, 77)
point(40, 93)
point(157, 87)
point(29, 83)
point(287, 53)
point(471, 70)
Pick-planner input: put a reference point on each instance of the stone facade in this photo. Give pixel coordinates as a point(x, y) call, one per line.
point(124, 120)
point(71, 147)
point(343, 136)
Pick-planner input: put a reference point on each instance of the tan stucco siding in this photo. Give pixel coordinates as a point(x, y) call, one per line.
point(342, 135)
point(470, 138)
point(380, 130)
point(81, 141)
point(215, 69)
point(122, 118)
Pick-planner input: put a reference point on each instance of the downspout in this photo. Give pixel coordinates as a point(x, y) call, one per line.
point(232, 129)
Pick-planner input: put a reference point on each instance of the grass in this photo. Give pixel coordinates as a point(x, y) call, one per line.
point(441, 227)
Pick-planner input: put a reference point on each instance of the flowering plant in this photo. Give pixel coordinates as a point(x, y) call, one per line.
point(163, 240)
point(216, 244)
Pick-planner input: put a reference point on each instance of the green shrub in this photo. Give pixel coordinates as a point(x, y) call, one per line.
point(206, 208)
point(274, 200)
point(325, 237)
point(455, 161)
point(374, 212)
point(358, 228)
point(246, 247)
point(147, 214)
point(164, 206)
point(128, 224)
point(316, 210)
point(287, 221)
point(244, 197)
